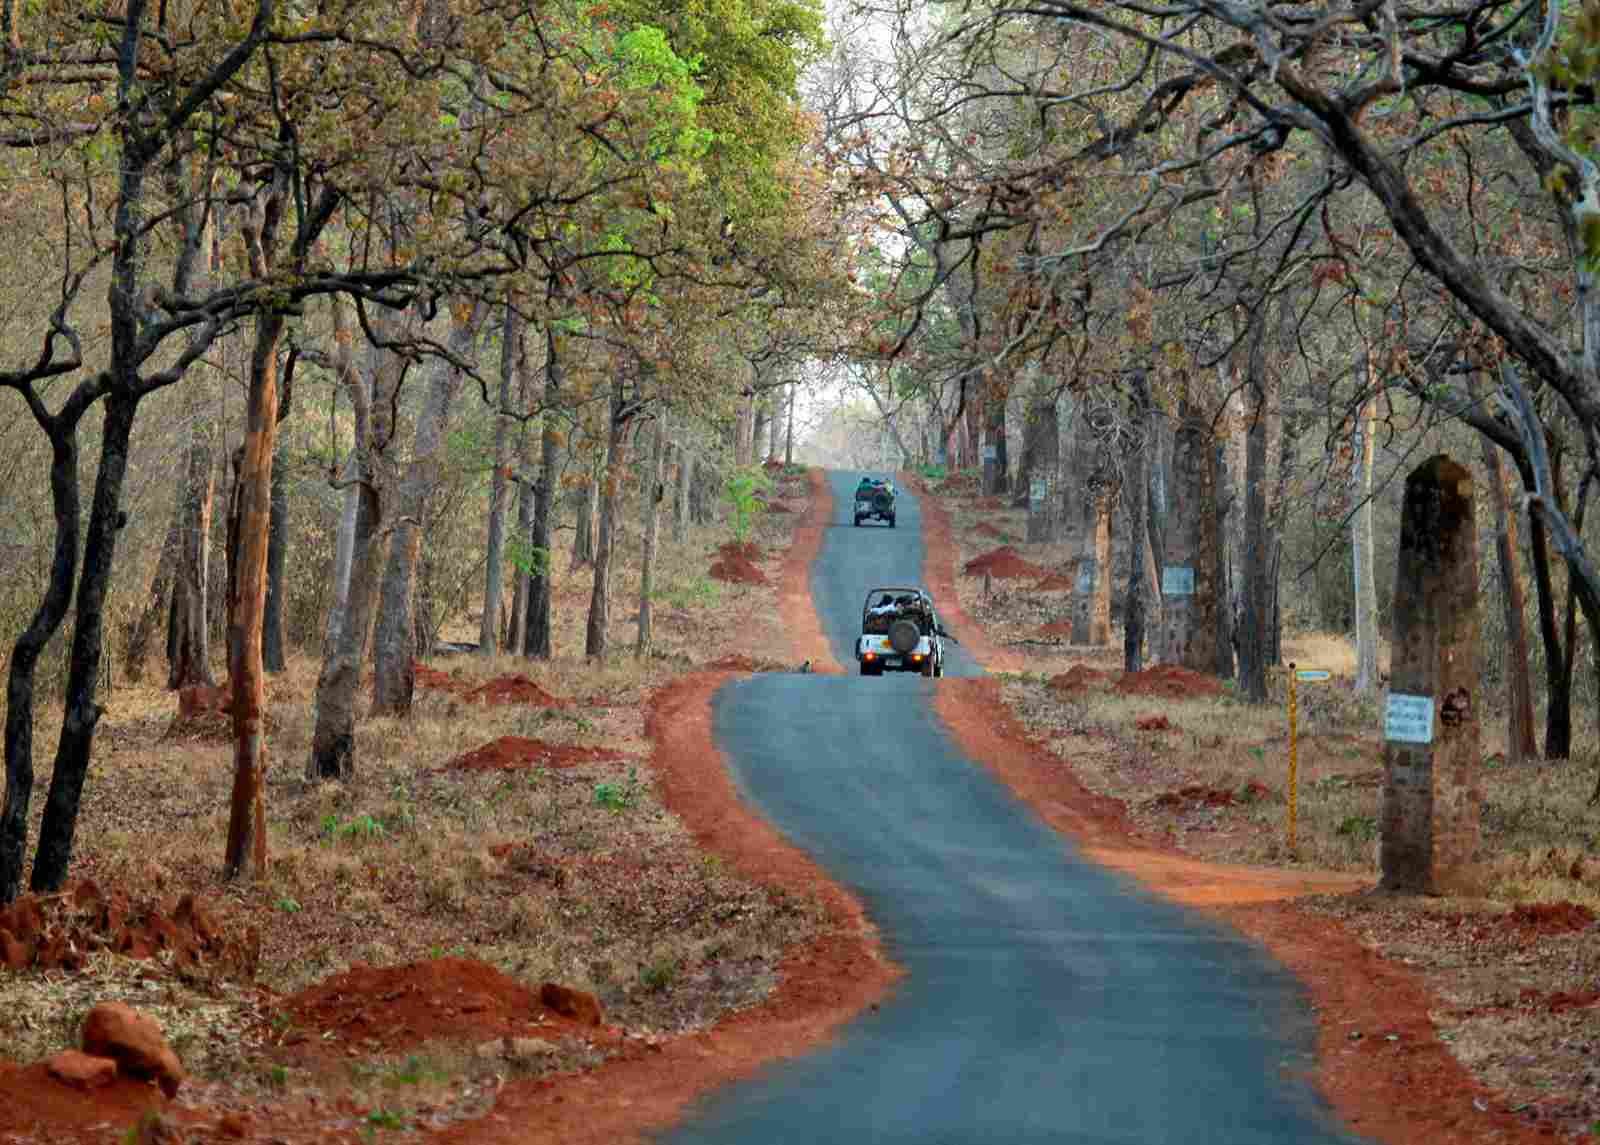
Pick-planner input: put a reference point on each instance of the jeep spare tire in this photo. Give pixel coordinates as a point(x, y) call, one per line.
point(883, 501)
point(903, 636)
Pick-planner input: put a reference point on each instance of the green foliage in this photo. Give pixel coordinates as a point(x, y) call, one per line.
point(932, 472)
point(618, 796)
point(659, 975)
point(527, 558)
point(363, 828)
point(740, 493)
point(1363, 828)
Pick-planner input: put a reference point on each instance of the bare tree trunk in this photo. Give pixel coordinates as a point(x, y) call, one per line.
point(680, 496)
point(1258, 566)
point(188, 645)
point(247, 821)
point(1137, 482)
point(343, 548)
point(760, 429)
point(596, 636)
point(1042, 464)
point(703, 494)
point(1558, 681)
point(343, 655)
point(394, 674)
point(488, 629)
point(538, 637)
point(1521, 745)
point(583, 534)
point(653, 494)
point(1361, 551)
point(273, 640)
point(788, 434)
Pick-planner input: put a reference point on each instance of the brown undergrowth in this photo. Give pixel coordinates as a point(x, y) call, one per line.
point(510, 832)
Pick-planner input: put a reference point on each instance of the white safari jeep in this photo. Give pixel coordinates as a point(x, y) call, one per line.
point(900, 632)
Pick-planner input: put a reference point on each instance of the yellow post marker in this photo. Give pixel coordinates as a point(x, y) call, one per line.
point(1292, 760)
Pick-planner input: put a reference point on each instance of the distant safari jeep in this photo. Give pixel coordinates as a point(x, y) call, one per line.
point(875, 500)
point(900, 632)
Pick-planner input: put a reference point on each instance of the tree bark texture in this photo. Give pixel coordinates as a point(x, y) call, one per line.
point(246, 853)
point(596, 636)
point(1042, 463)
point(680, 492)
point(654, 494)
point(494, 555)
point(1256, 565)
point(47, 618)
point(394, 674)
point(538, 638)
point(81, 713)
point(188, 644)
point(273, 639)
point(1362, 544)
point(1558, 681)
point(1521, 744)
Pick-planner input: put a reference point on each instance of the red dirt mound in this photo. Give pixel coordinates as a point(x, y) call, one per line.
point(512, 753)
point(1153, 723)
point(513, 690)
point(750, 551)
point(1171, 681)
point(427, 677)
point(737, 569)
point(1079, 678)
point(1003, 563)
point(399, 1007)
point(1055, 582)
point(59, 931)
point(205, 712)
point(1056, 628)
point(1194, 793)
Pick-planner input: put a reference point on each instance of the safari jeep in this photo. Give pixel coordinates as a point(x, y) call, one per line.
point(875, 500)
point(900, 632)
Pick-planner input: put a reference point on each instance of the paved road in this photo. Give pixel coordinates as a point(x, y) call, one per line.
point(1046, 1000)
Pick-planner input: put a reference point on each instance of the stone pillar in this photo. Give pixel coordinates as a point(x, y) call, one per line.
point(1428, 828)
point(1187, 634)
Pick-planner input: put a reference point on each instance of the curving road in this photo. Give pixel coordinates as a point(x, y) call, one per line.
point(1046, 1000)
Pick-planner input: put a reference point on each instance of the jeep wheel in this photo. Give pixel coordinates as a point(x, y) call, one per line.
point(938, 667)
point(871, 669)
point(927, 667)
point(891, 522)
point(858, 522)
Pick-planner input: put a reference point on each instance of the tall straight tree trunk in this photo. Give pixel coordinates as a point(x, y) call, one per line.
point(680, 497)
point(494, 559)
point(788, 427)
point(1520, 742)
point(995, 459)
point(1361, 552)
point(81, 714)
point(653, 493)
point(188, 645)
point(273, 641)
point(760, 430)
point(538, 639)
point(1558, 680)
point(62, 429)
point(343, 547)
point(596, 636)
point(1138, 480)
point(394, 674)
point(343, 657)
point(583, 533)
point(246, 852)
point(1257, 565)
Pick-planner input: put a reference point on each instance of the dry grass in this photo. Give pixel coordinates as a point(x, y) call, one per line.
point(1539, 838)
point(530, 870)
